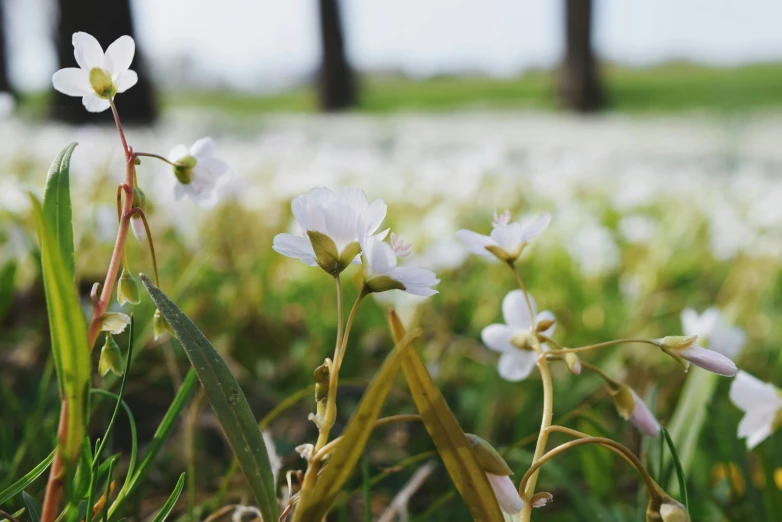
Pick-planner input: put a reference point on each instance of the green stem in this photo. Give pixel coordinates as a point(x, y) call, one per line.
point(600, 345)
point(150, 155)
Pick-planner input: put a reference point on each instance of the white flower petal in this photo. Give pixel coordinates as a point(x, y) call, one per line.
point(137, 225)
point(177, 153)
point(203, 148)
point(757, 424)
point(126, 80)
point(179, 190)
point(727, 340)
point(94, 103)
point(709, 360)
point(476, 243)
point(509, 236)
point(295, 246)
point(507, 495)
point(72, 81)
point(497, 337)
point(87, 51)
point(374, 215)
point(701, 325)
point(515, 309)
point(643, 418)
point(747, 391)
point(120, 55)
point(516, 365)
point(534, 228)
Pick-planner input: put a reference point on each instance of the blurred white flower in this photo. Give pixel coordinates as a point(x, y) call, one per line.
point(507, 239)
point(99, 76)
point(381, 272)
point(331, 223)
point(512, 339)
point(198, 172)
point(712, 327)
point(762, 405)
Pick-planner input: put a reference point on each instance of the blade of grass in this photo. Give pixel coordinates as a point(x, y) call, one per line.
point(227, 401)
point(32, 507)
point(15, 488)
point(677, 465)
point(169, 505)
point(366, 488)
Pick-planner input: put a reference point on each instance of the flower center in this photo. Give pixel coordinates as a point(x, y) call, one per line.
point(183, 169)
point(101, 83)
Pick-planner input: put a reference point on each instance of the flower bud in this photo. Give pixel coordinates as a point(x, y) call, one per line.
point(114, 322)
point(573, 363)
point(321, 374)
point(160, 326)
point(541, 499)
point(544, 325)
point(127, 290)
point(522, 340)
point(666, 509)
point(183, 169)
point(630, 407)
point(505, 491)
point(488, 458)
point(136, 223)
point(710, 360)
point(110, 358)
point(676, 342)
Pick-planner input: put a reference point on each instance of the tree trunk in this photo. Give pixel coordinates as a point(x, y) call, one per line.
point(5, 85)
point(579, 86)
point(336, 84)
point(105, 20)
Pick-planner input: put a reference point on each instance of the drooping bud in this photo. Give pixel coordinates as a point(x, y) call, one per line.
point(110, 358)
point(183, 169)
point(710, 360)
point(630, 407)
point(505, 491)
point(544, 325)
point(488, 457)
point(573, 362)
point(136, 223)
point(127, 290)
point(114, 322)
point(160, 326)
point(666, 509)
point(541, 499)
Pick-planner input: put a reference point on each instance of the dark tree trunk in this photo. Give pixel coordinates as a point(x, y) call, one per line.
point(5, 85)
point(579, 86)
point(336, 83)
point(106, 20)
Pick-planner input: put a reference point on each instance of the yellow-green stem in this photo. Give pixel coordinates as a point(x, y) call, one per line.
point(526, 295)
point(601, 345)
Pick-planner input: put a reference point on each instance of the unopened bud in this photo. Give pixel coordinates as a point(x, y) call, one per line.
point(573, 363)
point(110, 358)
point(666, 510)
point(127, 290)
point(114, 322)
point(160, 326)
point(623, 399)
point(544, 325)
point(541, 499)
point(488, 457)
point(326, 253)
point(676, 342)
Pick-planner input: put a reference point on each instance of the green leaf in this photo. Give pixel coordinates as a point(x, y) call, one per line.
point(68, 330)
point(227, 400)
point(314, 505)
point(169, 505)
point(7, 278)
point(28, 479)
point(677, 465)
point(57, 206)
point(32, 507)
point(447, 435)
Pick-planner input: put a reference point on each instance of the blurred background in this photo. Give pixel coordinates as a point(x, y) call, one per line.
point(650, 131)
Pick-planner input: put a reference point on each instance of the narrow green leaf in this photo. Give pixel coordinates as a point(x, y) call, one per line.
point(28, 479)
point(32, 507)
point(227, 400)
point(447, 435)
point(69, 335)
point(677, 466)
point(169, 505)
point(57, 206)
point(7, 278)
point(314, 506)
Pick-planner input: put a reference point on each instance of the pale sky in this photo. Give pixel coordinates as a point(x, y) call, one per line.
point(260, 44)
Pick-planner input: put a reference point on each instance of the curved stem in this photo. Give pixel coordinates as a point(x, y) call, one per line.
point(548, 412)
point(600, 345)
point(139, 212)
point(125, 146)
point(594, 369)
point(150, 155)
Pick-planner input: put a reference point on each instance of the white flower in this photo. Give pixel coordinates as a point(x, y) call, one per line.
point(197, 172)
point(99, 76)
point(381, 272)
point(507, 495)
point(711, 326)
point(762, 404)
point(507, 240)
point(330, 227)
point(710, 360)
point(114, 322)
point(512, 338)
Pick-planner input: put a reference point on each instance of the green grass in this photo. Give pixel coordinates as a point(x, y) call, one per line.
point(667, 88)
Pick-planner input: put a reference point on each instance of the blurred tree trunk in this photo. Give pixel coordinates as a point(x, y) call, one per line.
point(336, 83)
point(579, 86)
point(5, 85)
point(106, 20)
